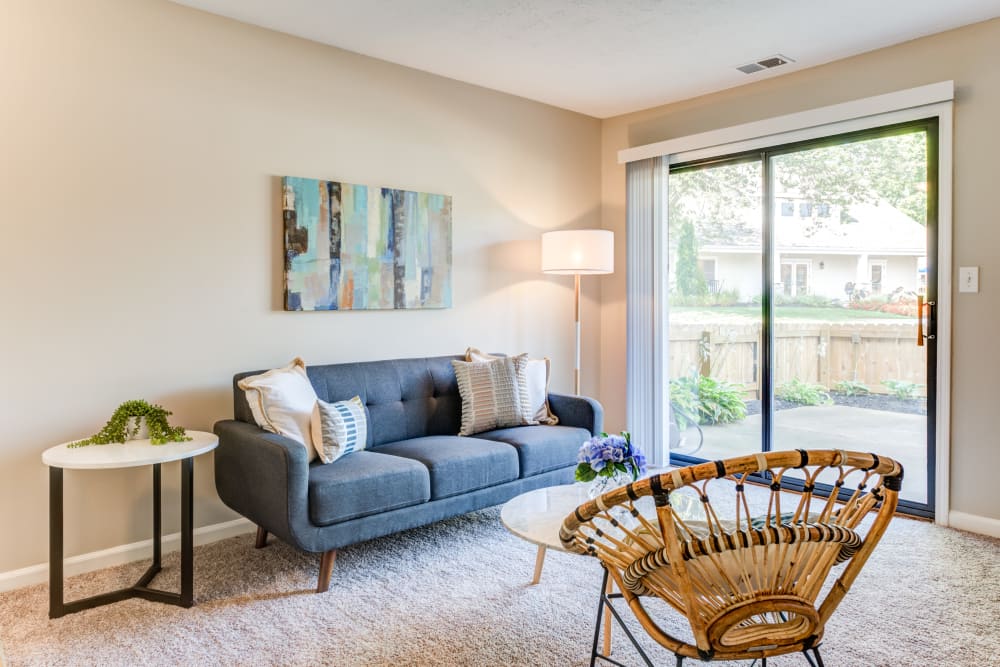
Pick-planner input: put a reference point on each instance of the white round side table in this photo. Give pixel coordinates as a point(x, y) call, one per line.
point(126, 455)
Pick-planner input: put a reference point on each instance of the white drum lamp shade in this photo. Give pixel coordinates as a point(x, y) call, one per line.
point(578, 252)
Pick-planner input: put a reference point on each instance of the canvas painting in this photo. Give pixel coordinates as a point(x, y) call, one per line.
point(359, 247)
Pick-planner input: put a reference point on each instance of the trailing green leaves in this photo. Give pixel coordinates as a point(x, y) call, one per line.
point(122, 426)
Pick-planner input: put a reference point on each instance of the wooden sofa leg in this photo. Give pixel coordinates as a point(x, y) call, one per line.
point(261, 538)
point(325, 569)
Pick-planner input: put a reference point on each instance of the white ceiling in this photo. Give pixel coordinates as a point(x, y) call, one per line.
point(605, 57)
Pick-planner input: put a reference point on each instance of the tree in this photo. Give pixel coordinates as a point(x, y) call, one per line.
point(690, 279)
point(891, 169)
point(723, 202)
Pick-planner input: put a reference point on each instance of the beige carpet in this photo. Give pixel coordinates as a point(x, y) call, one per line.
point(456, 593)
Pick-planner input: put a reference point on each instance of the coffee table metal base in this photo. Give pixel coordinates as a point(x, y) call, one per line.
point(58, 608)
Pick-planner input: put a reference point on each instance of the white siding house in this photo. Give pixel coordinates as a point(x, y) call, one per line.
point(875, 249)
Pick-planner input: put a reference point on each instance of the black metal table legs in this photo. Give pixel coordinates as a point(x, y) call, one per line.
point(141, 589)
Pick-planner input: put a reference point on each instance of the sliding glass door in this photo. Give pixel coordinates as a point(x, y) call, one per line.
point(807, 332)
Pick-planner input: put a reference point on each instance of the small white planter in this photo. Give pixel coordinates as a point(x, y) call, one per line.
point(142, 433)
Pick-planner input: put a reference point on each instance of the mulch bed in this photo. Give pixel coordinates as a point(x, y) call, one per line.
point(913, 406)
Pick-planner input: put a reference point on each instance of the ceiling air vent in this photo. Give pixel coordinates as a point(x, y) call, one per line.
point(765, 63)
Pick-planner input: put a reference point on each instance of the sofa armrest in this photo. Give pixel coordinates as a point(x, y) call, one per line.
point(579, 411)
point(264, 477)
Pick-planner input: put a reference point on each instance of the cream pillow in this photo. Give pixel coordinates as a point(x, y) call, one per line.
point(537, 373)
point(494, 394)
point(282, 402)
point(339, 428)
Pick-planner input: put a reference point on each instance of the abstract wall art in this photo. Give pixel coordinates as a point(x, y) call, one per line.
point(359, 247)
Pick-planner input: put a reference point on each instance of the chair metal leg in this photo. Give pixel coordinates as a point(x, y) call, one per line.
point(600, 614)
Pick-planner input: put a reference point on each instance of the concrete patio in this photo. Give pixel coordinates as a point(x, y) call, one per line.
point(900, 436)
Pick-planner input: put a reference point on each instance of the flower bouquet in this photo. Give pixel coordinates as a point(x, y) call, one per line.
point(611, 460)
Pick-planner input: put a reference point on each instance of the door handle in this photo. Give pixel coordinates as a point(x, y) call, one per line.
point(920, 320)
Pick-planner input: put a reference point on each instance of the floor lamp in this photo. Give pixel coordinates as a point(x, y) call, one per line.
point(578, 252)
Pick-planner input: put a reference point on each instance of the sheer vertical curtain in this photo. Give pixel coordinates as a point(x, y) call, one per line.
point(646, 299)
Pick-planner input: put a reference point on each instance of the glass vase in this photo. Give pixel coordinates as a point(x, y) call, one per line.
point(602, 484)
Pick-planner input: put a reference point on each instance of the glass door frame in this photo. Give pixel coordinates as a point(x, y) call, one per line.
point(930, 126)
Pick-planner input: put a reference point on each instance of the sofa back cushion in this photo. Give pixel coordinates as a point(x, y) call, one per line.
point(406, 398)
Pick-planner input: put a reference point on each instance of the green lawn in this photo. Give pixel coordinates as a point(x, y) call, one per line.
point(792, 312)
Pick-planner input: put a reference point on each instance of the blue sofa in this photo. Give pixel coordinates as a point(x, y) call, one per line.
point(414, 470)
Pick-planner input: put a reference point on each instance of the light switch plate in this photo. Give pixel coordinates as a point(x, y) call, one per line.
point(968, 279)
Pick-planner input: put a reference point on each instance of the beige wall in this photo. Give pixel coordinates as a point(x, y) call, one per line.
point(969, 56)
point(141, 145)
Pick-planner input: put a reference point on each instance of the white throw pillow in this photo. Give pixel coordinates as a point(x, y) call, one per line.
point(537, 373)
point(339, 428)
point(282, 402)
point(494, 394)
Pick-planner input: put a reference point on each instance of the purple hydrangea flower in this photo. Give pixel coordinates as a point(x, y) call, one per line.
point(605, 454)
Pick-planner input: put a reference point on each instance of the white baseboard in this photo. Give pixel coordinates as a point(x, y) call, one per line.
point(974, 523)
point(125, 553)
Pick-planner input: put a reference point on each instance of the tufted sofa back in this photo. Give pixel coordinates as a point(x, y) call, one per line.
point(405, 398)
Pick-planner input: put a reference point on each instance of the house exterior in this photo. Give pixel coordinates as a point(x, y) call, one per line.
point(822, 250)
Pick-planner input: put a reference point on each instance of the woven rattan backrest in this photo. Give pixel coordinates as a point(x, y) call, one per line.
point(748, 576)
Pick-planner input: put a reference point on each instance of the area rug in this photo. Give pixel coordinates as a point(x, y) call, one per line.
point(457, 593)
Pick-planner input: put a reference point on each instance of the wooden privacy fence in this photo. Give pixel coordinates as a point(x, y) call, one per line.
point(815, 352)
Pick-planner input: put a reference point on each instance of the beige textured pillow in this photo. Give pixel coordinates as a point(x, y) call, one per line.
point(537, 373)
point(282, 402)
point(494, 393)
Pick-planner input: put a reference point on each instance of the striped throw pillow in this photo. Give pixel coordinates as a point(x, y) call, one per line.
point(339, 428)
point(494, 393)
point(537, 373)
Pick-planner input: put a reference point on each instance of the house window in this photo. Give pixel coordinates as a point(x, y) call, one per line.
point(805, 210)
point(787, 208)
point(823, 210)
point(708, 267)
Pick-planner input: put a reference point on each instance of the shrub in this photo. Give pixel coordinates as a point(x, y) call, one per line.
point(851, 388)
point(894, 304)
point(697, 399)
point(803, 393)
point(808, 300)
point(729, 297)
point(903, 388)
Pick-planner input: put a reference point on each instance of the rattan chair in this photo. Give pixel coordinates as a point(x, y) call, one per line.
point(751, 582)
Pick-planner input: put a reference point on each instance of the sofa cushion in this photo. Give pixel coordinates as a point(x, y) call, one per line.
point(406, 398)
point(458, 464)
point(364, 483)
point(541, 448)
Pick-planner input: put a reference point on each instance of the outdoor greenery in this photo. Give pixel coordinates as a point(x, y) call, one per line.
point(698, 399)
point(690, 279)
point(893, 169)
point(833, 314)
point(851, 388)
point(717, 200)
point(902, 388)
point(803, 393)
point(729, 297)
point(124, 424)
